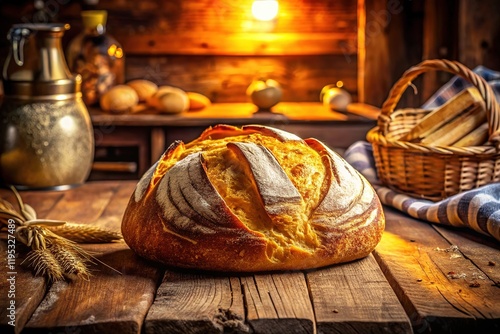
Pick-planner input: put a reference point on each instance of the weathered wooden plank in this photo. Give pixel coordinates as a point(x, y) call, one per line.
point(42, 204)
point(226, 27)
point(226, 78)
point(435, 282)
point(111, 217)
point(224, 16)
point(239, 44)
point(478, 30)
point(356, 298)
point(180, 27)
point(440, 31)
point(106, 302)
point(484, 253)
point(17, 286)
point(18, 283)
point(393, 43)
point(188, 303)
point(85, 203)
point(278, 303)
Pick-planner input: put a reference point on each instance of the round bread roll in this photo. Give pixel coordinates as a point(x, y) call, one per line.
point(252, 199)
point(119, 99)
point(144, 88)
point(170, 100)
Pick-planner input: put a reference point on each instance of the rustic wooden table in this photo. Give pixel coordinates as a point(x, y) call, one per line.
point(422, 278)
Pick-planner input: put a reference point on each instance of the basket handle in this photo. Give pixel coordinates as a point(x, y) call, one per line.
point(454, 67)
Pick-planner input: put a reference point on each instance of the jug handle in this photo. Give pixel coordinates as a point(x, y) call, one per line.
point(17, 38)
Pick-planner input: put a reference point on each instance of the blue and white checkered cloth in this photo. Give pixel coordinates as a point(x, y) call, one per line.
point(477, 209)
point(457, 84)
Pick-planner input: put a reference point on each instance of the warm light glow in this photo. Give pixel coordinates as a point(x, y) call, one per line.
point(340, 84)
point(115, 51)
point(112, 49)
point(119, 53)
point(265, 10)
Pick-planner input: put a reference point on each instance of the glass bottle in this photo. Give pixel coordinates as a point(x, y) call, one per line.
point(96, 56)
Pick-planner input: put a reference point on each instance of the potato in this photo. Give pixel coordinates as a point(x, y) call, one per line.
point(170, 100)
point(144, 88)
point(197, 101)
point(119, 99)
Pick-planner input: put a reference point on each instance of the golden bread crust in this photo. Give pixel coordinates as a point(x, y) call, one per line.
point(252, 199)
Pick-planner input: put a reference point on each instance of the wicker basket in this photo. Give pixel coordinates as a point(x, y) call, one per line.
point(433, 172)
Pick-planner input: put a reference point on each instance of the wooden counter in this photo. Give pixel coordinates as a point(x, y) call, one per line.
point(407, 285)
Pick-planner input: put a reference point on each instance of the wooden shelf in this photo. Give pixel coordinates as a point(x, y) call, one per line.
point(232, 113)
point(151, 132)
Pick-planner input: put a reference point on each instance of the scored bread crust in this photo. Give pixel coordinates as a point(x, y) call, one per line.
point(178, 217)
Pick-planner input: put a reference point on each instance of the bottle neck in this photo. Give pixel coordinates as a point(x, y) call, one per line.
point(95, 30)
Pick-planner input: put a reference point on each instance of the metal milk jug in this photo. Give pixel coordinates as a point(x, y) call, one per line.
point(46, 136)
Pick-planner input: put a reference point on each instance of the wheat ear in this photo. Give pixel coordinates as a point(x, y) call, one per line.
point(44, 263)
point(82, 233)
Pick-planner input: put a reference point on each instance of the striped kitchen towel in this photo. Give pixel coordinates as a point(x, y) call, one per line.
point(457, 84)
point(478, 209)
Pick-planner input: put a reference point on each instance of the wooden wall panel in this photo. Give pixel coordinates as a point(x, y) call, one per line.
point(479, 29)
point(226, 27)
point(440, 28)
point(393, 42)
point(225, 78)
point(214, 46)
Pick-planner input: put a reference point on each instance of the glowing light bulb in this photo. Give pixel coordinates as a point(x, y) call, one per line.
point(265, 10)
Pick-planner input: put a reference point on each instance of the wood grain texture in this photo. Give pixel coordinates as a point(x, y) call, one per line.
point(105, 302)
point(479, 33)
point(435, 281)
point(70, 208)
point(226, 79)
point(446, 279)
point(176, 26)
point(197, 303)
point(111, 217)
point(278, 303)
point(356, 298)
point(239, 44)
point(28, 290)
point(227, 27)
point(440, 31)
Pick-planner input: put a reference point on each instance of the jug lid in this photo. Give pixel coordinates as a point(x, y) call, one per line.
point(53, 27)
point(36, 64)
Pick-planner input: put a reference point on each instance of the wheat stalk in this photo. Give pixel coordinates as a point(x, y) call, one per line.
point(83, 233)
point(45, 264)
point(54, 252)
point(71, 260)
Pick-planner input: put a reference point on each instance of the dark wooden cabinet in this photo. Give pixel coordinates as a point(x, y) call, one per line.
point(127, 145)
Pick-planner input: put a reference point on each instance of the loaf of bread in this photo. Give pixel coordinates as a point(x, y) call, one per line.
point(252, 199)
